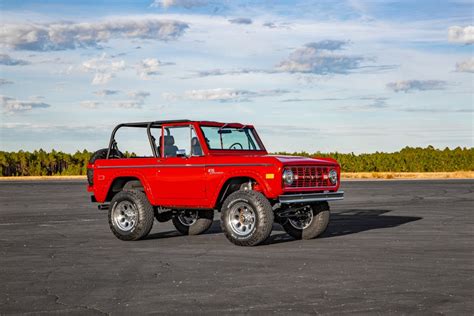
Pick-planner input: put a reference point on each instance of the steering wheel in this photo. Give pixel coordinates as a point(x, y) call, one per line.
point(234, 146)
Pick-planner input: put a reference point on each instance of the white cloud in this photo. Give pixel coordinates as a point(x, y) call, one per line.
point(431, 110)
point(374, 104)
point(223, 95)
point(188, 4)
point(149, 67)
point(221, 72)
point(138, 94)
point(318, 58)
point(270, 25)
point(88, 104)
point(241, 21)
point(63, 35)
point(5, 81)
point(129, 104)
point(217, 94)
point(106, 92)
point(465, 66)
point(328, 44)
point(103, 67)
point(11, 105)
point(7, 60)
point(170, 96)
point(36, 98)
point(136, 101)
point(313, 58)
point(413, 85)
point(275, 25)
point(102, 78)
point(458, 34)
point(56, 129)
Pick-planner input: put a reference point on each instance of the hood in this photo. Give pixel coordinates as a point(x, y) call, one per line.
point(297, 160)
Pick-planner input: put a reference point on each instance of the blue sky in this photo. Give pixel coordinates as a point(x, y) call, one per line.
point(347, 76)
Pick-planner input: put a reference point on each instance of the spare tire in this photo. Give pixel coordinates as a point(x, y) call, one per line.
point(100, 154)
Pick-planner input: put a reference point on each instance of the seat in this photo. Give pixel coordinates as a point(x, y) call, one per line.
point(196, 149)
point(170, 148)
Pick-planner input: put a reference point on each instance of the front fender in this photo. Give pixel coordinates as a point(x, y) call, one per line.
point(265, 186)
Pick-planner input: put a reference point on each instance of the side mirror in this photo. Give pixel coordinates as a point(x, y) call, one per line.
point(181, 153)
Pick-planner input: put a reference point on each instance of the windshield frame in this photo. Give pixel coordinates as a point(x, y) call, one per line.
point(249, 128)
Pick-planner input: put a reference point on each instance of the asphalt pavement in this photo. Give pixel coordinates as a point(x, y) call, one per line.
point(392, 247)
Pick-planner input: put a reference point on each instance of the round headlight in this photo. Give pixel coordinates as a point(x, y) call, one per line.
point(288, 177)
point(333, 176)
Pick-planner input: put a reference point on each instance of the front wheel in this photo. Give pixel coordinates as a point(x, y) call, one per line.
point(246, 218)
point(193, 222)
point(130, 215)
point(308, 222)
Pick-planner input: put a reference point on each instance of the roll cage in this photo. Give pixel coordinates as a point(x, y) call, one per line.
point(161, 125)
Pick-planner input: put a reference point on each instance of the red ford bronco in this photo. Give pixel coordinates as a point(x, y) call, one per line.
point(197, 167)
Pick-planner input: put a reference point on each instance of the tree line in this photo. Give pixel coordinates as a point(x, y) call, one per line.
point(409, 159)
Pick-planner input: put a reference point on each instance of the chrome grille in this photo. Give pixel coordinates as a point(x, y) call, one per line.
point(310, 177)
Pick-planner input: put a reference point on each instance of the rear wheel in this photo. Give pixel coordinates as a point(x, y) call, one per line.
point(130, 215)
point(308, 222)
point(246, 218)
point(193, 222)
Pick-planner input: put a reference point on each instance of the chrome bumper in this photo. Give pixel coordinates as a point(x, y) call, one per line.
point(311, 197)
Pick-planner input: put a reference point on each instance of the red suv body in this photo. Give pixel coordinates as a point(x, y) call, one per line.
point(196, 165)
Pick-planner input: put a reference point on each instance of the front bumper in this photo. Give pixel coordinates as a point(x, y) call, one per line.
point(311, 197)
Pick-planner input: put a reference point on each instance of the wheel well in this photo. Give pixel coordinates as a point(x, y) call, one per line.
point(232, 185)
point(124, 183)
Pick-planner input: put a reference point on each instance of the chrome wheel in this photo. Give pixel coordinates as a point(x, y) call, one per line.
point(302, 219)
point(188, 218)
point(242, 219)
point(125, 215)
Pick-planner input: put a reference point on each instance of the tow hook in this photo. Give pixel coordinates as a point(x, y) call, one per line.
point(102, 207)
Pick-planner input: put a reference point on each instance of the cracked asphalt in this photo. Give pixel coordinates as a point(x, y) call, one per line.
point(392, 247)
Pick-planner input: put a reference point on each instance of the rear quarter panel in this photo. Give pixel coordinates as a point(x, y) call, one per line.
point(106, 171)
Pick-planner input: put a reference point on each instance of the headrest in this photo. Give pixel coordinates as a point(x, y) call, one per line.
point(168, 140)
point(194, 141)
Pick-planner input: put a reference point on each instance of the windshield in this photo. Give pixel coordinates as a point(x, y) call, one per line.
point(230, 138)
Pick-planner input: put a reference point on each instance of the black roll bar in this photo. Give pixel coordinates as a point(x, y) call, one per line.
point(148, 126)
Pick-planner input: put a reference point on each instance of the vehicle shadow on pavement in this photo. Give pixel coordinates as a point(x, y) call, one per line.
point(341, 223)
point(359, 220)
point(349, 222)
point(215, 229)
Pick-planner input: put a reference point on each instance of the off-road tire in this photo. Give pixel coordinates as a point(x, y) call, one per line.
point(264, 217)
point(144, 219)
point(203, 223)
point(100, 154)
point(321, 215)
